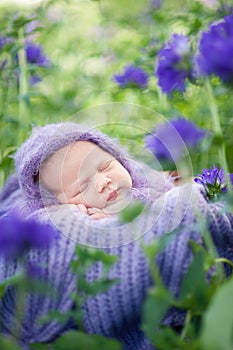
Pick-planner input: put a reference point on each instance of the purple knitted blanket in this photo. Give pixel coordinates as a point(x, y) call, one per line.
point(117, 312)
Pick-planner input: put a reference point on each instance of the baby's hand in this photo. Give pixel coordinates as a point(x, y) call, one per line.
point(97, 214)
point(82, 208)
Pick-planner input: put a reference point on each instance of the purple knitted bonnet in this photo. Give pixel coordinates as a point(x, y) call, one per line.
point(47, 139)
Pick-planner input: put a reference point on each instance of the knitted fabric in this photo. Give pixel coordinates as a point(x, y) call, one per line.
point(116, 313)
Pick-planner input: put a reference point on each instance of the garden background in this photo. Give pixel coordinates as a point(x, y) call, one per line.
point(124, 67)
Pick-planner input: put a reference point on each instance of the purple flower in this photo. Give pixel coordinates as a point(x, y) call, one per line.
point(213, 180)
point(174, 64)
point(156, 4)
point(132, 75)
point(231, 178)
point(168, 141)
point(216, 50)
point(35, 55)
point(18, 235)
point(34, 79)
point(32, 26)
point(2, 42)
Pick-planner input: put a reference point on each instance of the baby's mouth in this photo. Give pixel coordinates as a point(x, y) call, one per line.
point(112, 196)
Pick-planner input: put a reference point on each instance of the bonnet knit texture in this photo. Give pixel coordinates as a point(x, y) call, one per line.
point(116, 313)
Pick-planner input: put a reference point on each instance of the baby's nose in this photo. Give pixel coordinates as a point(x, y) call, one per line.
point(101, 181)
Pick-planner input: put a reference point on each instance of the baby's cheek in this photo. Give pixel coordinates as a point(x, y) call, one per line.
point(91, 198)
point(62, 198)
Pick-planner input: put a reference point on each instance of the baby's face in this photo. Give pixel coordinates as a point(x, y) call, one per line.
point(84, 173)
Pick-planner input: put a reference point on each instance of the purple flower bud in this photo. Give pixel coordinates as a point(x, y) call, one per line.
point(132, 75)
point(213, 180)
point(35, 55)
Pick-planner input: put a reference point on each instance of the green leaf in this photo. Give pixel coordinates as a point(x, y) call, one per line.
point(82, 341)
point(154, 309)
point(129, 213)
point(167, 338)
point(159, 245)
point(8, 344)
point(38, 346)
point(11, 281)
point(209, 259)
point(194, 287)
point(99, 286)
point(86, 257)
point(217, 331)
point(60, 317)
point(8, 150)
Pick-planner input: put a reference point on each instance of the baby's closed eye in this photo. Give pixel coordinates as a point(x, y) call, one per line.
point(106, 165)
point(84, 186)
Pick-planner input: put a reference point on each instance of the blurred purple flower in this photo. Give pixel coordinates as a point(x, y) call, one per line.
point(174, 64)
point(18, 235)
point(156, 4)
point(2, 41)
point(31, 26)
point(231, 178)
point(213, 180)
point(216, 51)
point(132, 75)
point(168, 141)
point(34, 79)
point(35, 55)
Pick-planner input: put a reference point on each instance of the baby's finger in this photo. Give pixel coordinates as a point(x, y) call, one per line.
point(98, 216)
point(91, 211)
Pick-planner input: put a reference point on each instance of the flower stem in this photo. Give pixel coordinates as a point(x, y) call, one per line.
point(186, 325)
point(225, 261)
point(217, 129)
point(23, 87)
